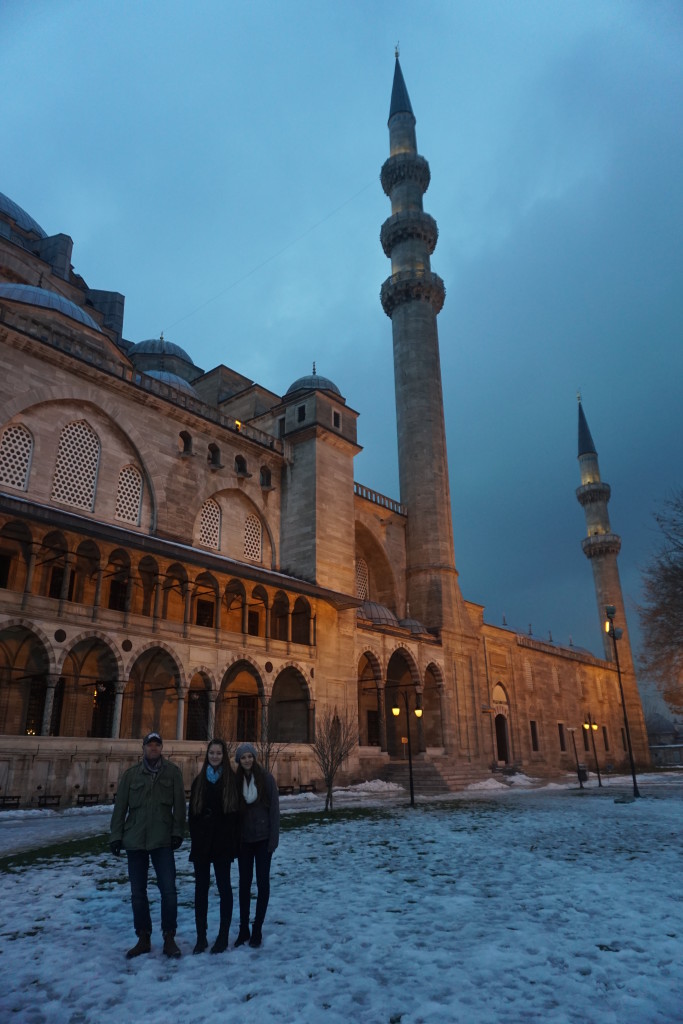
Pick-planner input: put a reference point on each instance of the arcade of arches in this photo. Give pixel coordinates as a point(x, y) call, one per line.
point(378, 693)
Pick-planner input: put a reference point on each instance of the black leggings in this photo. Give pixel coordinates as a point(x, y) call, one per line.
point(254, 854)
point(202, 881)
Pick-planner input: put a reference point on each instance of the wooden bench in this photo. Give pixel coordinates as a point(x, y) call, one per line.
point(9, 801)
point(87, 799)
point(48, 800)
point(286, 790)
point(307, 787)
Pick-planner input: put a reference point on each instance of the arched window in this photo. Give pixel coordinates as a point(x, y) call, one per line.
point(185, 443)
point(214, 456)
point(252, 538)
point(78, 458)
point(362, 580)
point(16, 448)
point(129, 496)
point(265, 476)
point(210, 524)
point(241, 465)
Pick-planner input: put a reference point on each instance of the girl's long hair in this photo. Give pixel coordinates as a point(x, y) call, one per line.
point(227, 783)
point(259, 778)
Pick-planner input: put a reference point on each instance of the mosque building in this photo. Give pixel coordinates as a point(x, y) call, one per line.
point(185, 550)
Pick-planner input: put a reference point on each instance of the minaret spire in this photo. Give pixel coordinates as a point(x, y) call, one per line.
point(412, 297)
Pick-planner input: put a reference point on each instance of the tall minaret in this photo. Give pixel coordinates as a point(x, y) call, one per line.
point(412, 297)
point(601, 546)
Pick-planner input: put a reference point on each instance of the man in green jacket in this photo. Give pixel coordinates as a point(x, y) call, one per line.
point(148, 823)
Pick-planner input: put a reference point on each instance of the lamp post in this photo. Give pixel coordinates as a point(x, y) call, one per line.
point(576, 756)
point(592, 727)
point(616, 634)
point(396, 711)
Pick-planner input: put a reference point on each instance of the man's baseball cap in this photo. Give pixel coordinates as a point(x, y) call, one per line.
point(152, 737)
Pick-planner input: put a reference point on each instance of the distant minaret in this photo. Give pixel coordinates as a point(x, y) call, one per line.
point(601, 546)
point(412, 297)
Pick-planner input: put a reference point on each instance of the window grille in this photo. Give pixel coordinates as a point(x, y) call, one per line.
point(252, 538)
point(362, 581)
point(210, 524)
point(78, 457)
point(129, 496)
point(16, 448)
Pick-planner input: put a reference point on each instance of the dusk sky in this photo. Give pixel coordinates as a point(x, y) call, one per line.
point(219, 162)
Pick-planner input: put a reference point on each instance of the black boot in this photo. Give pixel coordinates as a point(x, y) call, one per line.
point(256, 937)
point(170, 947)
point(221, 943)
point(201, 944)
point(143, 945)
point(243, 936)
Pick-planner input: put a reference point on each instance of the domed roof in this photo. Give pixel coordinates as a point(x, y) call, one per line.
point(19, 216)
point(33, 296)
point(378, 613)
point(173, 380)
point(314, 382)
point(159, 346)
point(413, 625)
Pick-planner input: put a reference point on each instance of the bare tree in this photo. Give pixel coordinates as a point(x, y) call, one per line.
point(661, 614)
point(268, 749)
point(335, 737)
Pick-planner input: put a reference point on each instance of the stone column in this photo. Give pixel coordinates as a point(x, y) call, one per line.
point(245, 616)
point(211, 718)
point(264, 719)
point(64, 593)
point(49, 704)
point(158, 592)
point(289, 625)
point(118, 708)
point(98, 594)
point(180, 720)
point(311, 631)
point(381, 714)
point(267, 622)
point(30, 569)
point(188, 609)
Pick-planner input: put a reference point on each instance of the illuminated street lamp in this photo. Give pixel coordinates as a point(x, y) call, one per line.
point(396, 711)
point(579, 773)
point(592, 727)
point(616, 634)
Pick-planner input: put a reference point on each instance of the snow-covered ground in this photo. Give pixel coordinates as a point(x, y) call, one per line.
point(505, 905)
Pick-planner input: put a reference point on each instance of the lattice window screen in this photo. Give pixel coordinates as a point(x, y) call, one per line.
point(129, 496)
point(15, 456)
point(362, 580)
point(210, 524)
point(252, 538)
point(78, 457)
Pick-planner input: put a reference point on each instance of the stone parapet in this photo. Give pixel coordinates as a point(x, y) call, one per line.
point(405, 167)
point(601, 544)
point(589, 494)
point(407, 226)
point(411, 286)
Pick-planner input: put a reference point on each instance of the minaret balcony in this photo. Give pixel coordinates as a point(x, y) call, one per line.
point(409, 226)
point(412, 286)
point(588, 494)
point(405, 167)
point(601, 544)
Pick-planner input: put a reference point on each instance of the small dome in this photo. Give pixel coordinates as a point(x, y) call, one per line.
point(19, 216)
point(32, 296)
point(413, 625)
point(378, 613)
point(314, 382)
point(161, 347)
point(173, 380)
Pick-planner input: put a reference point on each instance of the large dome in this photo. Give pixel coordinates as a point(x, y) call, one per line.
point(160, 347)
point(32, 296)
point(166, 377)
point(19, 216)
point(314, 382)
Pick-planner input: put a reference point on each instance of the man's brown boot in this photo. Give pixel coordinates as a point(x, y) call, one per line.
point(143, 945)
point(170, 947)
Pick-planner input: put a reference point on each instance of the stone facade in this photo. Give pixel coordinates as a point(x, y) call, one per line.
point(184, 550)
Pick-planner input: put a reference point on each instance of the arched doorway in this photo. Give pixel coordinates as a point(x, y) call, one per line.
point(239, 704)
point(502, 734)
point(24, 669)
point(150, 700)
point(288, 710)
point(369, 678)
point(86, 704)
point(401, 675)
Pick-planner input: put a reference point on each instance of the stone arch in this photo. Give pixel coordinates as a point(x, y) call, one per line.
point(150, 698)
point(92, 634)
point(382, 585)
point(279, 617)
point(370, 699)
point(240, 702)
point(402, 677)
point(301, 621)
point(432, 687)
point(162, 646)
point(198, 722)
point(205, 600)
point(501, 712)
point(259, 612)
point(15, 555)
point(289, 719)
point(86, 694)
point(234, 603)
point(26, 663)
point(174, 591)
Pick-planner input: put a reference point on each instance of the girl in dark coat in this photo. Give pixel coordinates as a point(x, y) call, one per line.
point(214, 831)
point(259, 837)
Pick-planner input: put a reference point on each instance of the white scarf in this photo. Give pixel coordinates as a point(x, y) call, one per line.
point(249, 790)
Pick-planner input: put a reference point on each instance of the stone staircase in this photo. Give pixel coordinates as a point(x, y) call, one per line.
point(433, 777)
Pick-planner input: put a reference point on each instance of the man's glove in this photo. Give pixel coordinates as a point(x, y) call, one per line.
point(176, 841)
point(115, 847)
